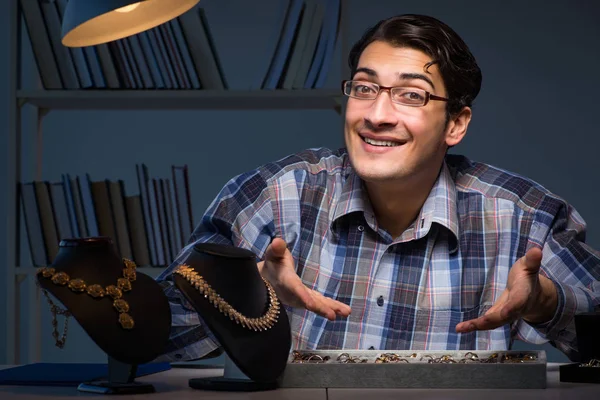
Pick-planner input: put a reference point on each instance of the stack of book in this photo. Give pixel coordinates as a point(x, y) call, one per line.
point(178, 54)
point(181, 54)
point(149, 227)
point(305, 45)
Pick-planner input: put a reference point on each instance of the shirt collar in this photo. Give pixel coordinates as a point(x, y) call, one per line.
point(439, 207)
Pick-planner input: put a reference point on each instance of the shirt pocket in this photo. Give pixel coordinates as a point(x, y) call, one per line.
point(435, 329)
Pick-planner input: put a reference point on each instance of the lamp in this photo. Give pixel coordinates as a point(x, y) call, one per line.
point(91, 22)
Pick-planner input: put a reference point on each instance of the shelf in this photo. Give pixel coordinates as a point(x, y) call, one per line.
point(319, 99)
point(150, 271)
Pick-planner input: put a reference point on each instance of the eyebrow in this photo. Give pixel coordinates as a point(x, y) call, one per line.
point(401, 76)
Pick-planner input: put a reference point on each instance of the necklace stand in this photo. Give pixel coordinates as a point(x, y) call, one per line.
point(233, 380)
point(121, 380)
point(587, 368)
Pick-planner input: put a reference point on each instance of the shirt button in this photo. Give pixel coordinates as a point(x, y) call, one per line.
point(361, 228)
point(380, 301)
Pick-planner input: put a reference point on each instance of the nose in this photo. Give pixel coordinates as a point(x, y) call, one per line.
point(382, 112)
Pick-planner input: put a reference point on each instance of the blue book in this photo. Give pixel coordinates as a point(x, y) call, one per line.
point(159, 58)
point(285, 45)
point(81, 66)
point(173, 54)
point(162, 48)
point(130, 59)
point(141, 62)
point(85, 187)
point(66, 374)
point(151, 59)
point(184, 52)
point(66, 180)
point(332, 27)
point(124, 68)
point(269, 44)
point(94, 64)
point(322, 46)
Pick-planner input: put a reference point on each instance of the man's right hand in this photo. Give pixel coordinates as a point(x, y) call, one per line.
point(279, 269)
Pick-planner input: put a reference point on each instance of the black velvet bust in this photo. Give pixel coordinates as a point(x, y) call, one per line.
point(232, 273)
point(96, 261)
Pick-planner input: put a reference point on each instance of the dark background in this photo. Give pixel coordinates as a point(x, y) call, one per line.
point(536, 115)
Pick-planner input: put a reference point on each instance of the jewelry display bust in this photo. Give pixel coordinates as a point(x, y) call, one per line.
point(224, 286)
point(587, 367)
point(124, 312)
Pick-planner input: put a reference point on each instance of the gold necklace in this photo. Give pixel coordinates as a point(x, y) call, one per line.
point(96, 291)
point(56, 310)
point(261, 323)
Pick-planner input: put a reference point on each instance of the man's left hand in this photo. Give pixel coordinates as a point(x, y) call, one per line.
point(528, 296)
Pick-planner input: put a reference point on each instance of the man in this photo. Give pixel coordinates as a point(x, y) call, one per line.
point(391, 243)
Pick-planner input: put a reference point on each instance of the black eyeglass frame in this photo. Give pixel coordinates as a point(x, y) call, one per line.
point(428, 95)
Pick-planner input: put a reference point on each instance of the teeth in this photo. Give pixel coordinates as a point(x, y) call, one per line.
point(381, 142)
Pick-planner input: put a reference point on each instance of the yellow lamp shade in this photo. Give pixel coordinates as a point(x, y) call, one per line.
point(91, 22)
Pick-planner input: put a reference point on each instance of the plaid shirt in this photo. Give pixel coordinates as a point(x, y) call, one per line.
point(451, 265)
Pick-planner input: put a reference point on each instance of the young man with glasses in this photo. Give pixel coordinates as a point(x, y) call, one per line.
point(391, 243)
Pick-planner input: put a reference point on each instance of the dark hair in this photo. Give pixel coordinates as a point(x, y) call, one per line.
point(459, 70)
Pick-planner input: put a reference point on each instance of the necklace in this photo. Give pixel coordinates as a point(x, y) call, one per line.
point(77, 285)
point(261, 323)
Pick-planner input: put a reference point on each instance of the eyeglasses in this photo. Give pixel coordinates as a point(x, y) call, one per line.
point(365, 90)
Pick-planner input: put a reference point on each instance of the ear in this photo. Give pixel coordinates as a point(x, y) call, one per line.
point(457, 127)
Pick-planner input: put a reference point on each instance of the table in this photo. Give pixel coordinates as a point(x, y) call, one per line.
point(174, 384)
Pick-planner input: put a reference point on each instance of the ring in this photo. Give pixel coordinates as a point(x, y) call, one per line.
point(594, 363)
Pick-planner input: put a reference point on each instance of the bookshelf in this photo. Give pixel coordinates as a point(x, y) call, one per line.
point(20, 275)
point(182, 99)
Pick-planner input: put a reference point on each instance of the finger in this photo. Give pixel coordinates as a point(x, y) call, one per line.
point(318, 305)
point(500, 306)
point(329, 307)
point(321, 308)
point(500, 302)
point(532, 260)
point(491, 320)
point(337, 306)
point(260, 266)
point(340, 308)
point(303, 295)
point(276, 250)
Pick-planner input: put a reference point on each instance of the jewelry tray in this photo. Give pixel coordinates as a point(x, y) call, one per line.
point(422, 369)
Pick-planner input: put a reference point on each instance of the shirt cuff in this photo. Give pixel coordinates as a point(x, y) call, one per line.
point(567, 306)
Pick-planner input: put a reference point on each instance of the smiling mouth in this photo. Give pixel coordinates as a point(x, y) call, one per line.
point(381, 143)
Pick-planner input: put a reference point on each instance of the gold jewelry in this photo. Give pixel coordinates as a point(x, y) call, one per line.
point(264, 322)
point(77, 285)
point(592, 363)
point(346, 358)
point(519, 358)
point(300, 357)
point(56, 310)
point(385, 358)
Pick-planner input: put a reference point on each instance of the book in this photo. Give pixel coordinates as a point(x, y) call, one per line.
point(40, 45)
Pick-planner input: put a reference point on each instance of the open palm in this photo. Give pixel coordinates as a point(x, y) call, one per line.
point(518, 299)
point(279, 269)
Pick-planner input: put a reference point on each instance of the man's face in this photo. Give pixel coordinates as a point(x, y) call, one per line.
point(414, 137)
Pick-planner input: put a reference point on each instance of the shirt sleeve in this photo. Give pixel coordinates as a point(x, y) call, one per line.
point(574, 268)
point(241, 216)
